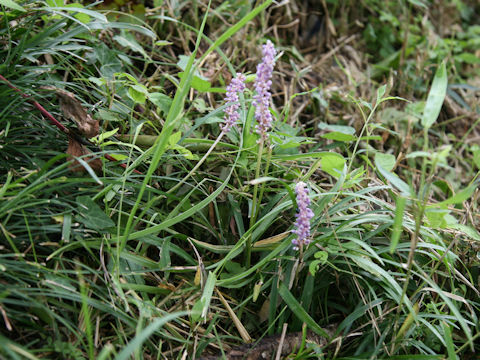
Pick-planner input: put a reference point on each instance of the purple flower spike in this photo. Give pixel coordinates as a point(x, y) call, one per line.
point(303, 216)
point(236, 86)
point(262, 86)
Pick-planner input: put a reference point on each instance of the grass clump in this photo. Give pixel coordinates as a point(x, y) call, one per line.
point(333, 217)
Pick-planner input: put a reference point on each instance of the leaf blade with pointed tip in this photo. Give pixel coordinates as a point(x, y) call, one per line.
point(436, 96)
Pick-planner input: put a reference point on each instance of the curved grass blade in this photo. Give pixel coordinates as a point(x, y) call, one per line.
point(299, 311)
point(140, 338)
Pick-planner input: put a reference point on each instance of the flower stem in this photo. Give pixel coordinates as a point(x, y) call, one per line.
point(262, 189)
point(254, 204)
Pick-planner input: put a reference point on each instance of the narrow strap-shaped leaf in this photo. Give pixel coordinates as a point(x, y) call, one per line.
point(299, 311)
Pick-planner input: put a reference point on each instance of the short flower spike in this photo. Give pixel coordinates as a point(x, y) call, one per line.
point(303, 216)
point(263, 83)
point(237, 85)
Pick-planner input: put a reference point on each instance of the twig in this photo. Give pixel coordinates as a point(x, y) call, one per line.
point(280, 344)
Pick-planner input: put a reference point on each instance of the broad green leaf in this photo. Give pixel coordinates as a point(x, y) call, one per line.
point(475, 149)
point(338, 132)
point(161, 100)
point(121, 75)
point(459, 197)
point(101, 137)
point(386, 161)
point(91, 215)
point(84, 18)
point(436, 217)
point(12, 5)
point(175, 138)
point(435, 97)
point(338, 136)
point(415, 154)
point(468, 58)
point(185, 152)
point(107, 115)
point(198, 83)
point(332, 164)
point(138, 93)
point(380, 92)
point(322, 257)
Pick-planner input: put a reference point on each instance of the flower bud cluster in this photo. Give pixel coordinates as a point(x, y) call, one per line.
point(237, 85)
point(303, 216)
point(263, 83)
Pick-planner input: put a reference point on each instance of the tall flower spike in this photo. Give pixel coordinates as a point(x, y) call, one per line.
point(263, 81)
point(236, 86)
point(303, 216)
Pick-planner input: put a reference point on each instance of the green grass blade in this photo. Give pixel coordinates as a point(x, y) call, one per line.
point(232, 30)
point(449, 341)
point(397, 222)
point(140, 338)
point(299, 311)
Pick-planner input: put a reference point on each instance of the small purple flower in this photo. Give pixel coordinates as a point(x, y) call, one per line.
point(262, 86)
point(236, 86)
point(303, 216)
